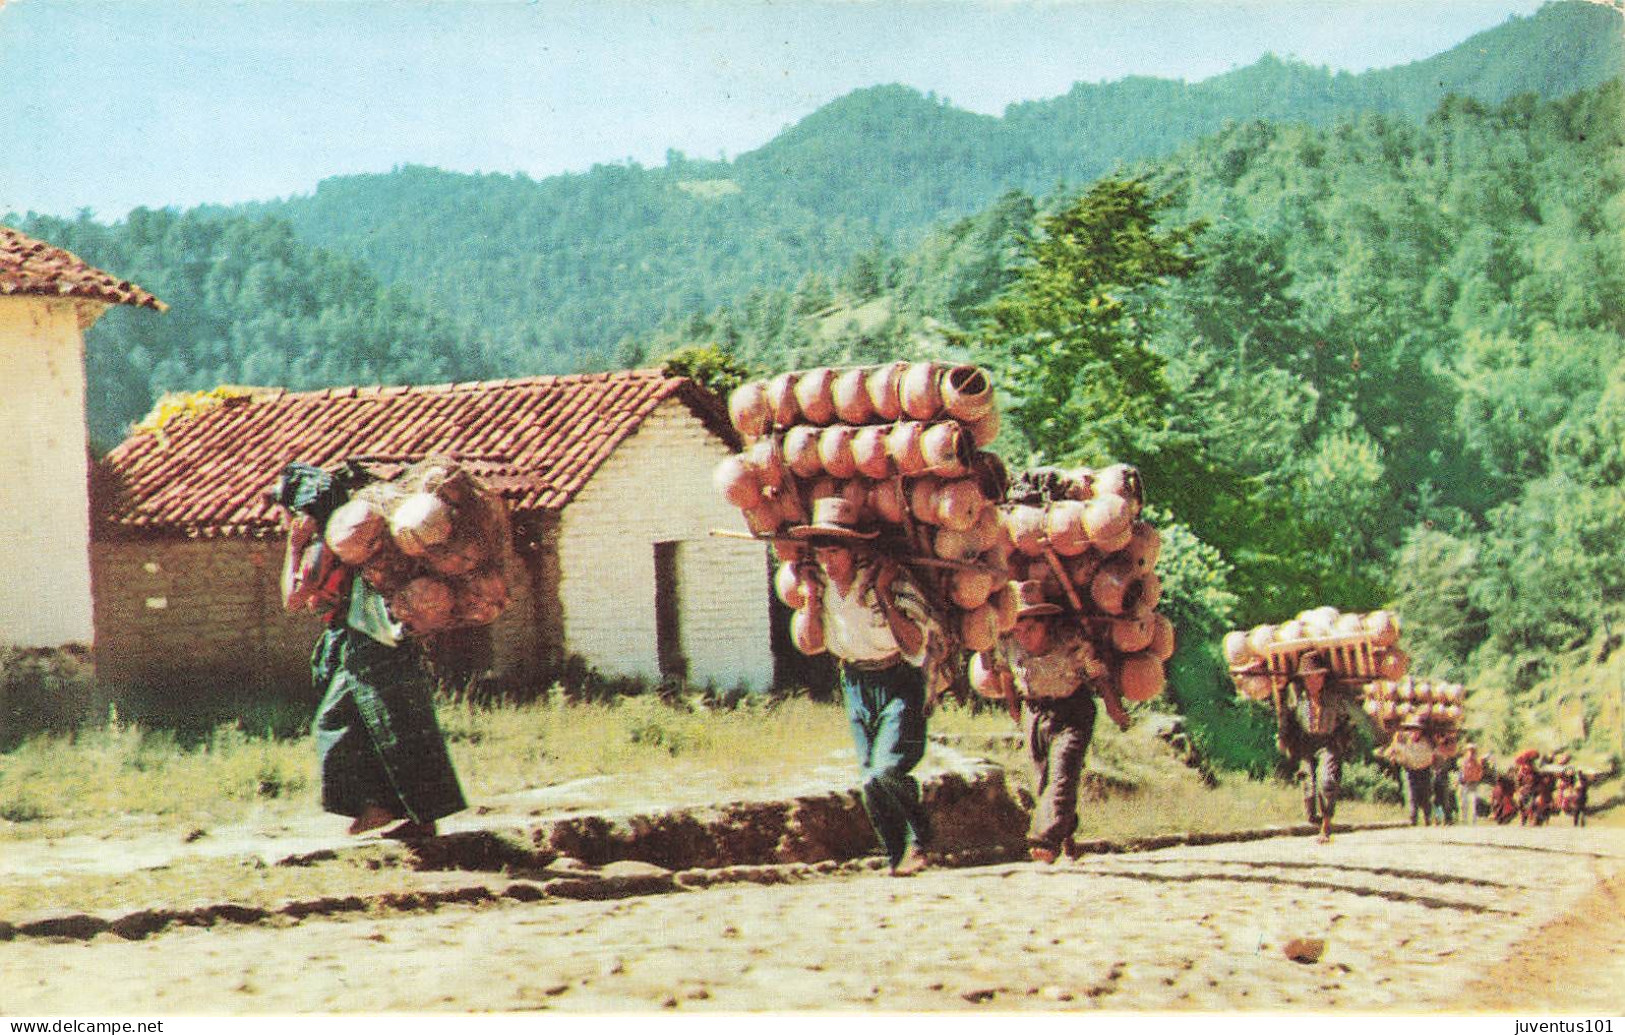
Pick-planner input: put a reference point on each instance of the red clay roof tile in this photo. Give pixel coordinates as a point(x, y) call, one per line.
point(32, 267)
point(540, 439)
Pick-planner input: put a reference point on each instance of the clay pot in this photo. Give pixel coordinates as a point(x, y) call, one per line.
point(1024, 527)
point(1144, 545)
point(766, 460)
point(888, 501)
point(790, 506)
point(1114, 587)
point(355, 531)
point(1290, 632)
point(781, 401)
point(904, 442)
point(1132, 634)
point(813, 395)
point(480, 599)
point(967, 393)
point(1081, 570)
point(884, 386)
point(1107, 521)
point(922, 500)
point(749, 411)
point(424, 604)
point(737, 483)
point(1064, 527)
point(946, 449)
point(1261, 638)
point(953, 546)
point(835, 451)
point(985, 678)
point(1236, 650)
point(1162, 638)
point(1348, 624)
point(987, 533)
point(1150, 590)
point(959, 504)
point(1122, 480)
point(1083, 481)
point(971, 589)
point(869, 452)
point(420, 521)
point(764, 518)
point(1006, 604)
point(855, 492)
point(800, 448)
point(850, 394)
point(807, 631)
point(985, 430)
point(790, 587)
point(1383, 626)
point(388, 569)
point(922, 395)
point(979, 629)
point(1393, 663)
point(455, 557)
point(1139, 677)
point(1254, 688)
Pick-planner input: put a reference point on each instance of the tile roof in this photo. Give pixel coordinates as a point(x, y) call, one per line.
point(32, 267)
point(536, 440)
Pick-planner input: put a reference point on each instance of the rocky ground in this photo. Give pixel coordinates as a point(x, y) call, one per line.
point(1457, 919)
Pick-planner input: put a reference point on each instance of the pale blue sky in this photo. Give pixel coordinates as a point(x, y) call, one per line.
point(109, 104)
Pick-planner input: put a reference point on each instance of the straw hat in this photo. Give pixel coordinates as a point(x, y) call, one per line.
point(1031, 602)
point(834, 517)
point(1411, 723)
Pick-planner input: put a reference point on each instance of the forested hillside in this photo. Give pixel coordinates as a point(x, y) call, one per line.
point(1369, 352)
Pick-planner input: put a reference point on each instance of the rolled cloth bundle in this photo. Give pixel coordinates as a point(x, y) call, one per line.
point(433, 540)
point(902, 443)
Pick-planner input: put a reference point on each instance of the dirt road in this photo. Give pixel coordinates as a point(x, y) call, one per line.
point(1411, 920)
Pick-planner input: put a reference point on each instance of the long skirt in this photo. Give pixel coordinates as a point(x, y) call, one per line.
point(376, 731)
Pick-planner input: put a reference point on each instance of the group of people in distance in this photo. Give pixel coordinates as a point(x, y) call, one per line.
point(1539, 786)
point(1444, 785)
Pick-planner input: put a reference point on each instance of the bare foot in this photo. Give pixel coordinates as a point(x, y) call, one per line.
point(912, 862)
point(372, 817)
point(1041, 855)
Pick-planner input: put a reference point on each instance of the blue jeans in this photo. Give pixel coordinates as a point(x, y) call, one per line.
point(887, 712)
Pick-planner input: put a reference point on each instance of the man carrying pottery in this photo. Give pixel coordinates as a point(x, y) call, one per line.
point(1313, 731)
point(1412, 751)
point(877, 622)
point(1052, 664)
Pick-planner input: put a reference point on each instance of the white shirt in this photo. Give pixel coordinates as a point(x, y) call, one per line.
point(855, 628)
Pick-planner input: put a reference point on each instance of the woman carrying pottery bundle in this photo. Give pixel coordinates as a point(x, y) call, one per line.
point(1313, 731)
point(1052, 664)
point(874, 618)
point(383, 758)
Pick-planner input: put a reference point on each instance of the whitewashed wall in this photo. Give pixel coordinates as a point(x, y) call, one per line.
point(44, 488)
point(657, 488)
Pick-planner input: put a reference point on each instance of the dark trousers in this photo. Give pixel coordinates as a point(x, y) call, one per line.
point(1058, 732)
point(886, 710)
point(1420, 784)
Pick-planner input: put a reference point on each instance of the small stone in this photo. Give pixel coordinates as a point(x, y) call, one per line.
point(1304, 950)
point(978, 995)
point(1056, 994)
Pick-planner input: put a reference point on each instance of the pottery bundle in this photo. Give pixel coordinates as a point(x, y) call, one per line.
point(902, 442)
point(1440, 707)
point(432, 540)
point(1080, 535)
point(1355, 646)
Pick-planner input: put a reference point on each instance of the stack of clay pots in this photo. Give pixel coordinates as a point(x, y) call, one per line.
point(1096, 558)
point(1438, 706)
point(903, 443)
point(432, 540)
point(1355, 646)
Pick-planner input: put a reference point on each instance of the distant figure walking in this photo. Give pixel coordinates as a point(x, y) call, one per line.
point(1472, 771)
